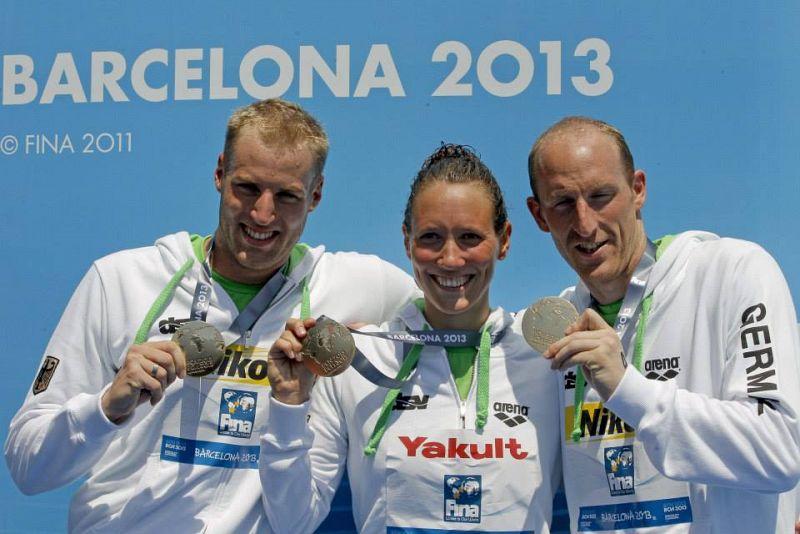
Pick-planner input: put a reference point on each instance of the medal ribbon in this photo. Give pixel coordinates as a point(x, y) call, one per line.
point(628, 314)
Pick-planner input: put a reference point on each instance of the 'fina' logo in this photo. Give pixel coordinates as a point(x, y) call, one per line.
point(237, 413)
point(620, 470)
point(462, 498)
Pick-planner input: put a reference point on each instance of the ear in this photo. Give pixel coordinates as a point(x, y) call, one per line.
point(407, 241)
point(639, 187)
point(316, 193)
point(536, 210)
point(219, 172)
point(505, 241)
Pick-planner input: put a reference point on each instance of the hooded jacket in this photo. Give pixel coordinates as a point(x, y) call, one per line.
point(191, 459)
point(513, 461)
point(705, 436)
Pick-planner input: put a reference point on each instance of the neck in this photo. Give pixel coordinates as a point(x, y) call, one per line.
point(614, 290)
point(469, 320)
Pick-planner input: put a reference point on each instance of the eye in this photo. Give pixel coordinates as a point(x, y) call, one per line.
point(471, 238)
point(563, 203)
point(601, 198)
point(246, 188)
point(289, 196)
point(428, 238)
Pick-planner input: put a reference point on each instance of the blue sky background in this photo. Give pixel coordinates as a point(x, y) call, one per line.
point(706, 94)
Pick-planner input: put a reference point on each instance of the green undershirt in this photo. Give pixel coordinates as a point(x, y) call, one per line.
point(462, 364)
point(241, 294)
point(609, 311)
point(461, 359)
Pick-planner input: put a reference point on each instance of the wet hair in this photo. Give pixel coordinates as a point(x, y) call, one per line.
point(578, 126)
point(279, 123)
point(457, 164)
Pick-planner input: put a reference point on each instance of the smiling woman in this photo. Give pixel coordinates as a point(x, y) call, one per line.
point(469, 361)
point(455, 228)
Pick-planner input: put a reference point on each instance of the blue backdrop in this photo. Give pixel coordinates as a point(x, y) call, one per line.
point(112, 116)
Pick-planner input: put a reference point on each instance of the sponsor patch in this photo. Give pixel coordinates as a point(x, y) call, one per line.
point(237, 413)
point(190, 451)
point(170, 325)
point(569, 379)
point(423, 447)
point(620, 470)
point(662, 369)
point(244, 364)
point(411, 402)
point(597, 423)
point(462, 498)
point(629, 515)
point(46, 373)
point(510, 414)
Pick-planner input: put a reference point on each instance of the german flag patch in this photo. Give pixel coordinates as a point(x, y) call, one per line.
point(45, 374)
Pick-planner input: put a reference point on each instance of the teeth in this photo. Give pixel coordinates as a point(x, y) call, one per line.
point(590, 247)
point(451, 281)
point(258, 235)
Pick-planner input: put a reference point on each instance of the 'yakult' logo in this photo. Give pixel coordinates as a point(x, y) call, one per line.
point(452, 448)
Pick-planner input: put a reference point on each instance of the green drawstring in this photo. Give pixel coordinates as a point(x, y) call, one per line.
point(160, 303)
point(482, 405)
point(305, 303)
point(580, 382)
point(383, 418)
point(640, 328)
point(483, 378)
point(580, 385)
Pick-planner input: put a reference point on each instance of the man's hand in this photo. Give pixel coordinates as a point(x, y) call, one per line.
point(289, 377)
point(148, 370)
point(594, 345)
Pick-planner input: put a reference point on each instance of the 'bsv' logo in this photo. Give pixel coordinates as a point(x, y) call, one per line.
point(462, 498)
point(237, 413)
point(620, 470)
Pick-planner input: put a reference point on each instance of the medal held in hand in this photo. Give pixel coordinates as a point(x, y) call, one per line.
point(545, 320)
point(328, 349)
point(203, 346)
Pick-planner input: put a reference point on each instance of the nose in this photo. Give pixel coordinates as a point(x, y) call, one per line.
point(585, 219)
point(263, 210)
point(451, 257)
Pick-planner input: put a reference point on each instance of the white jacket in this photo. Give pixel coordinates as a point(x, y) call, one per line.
point(189, 462)
point(406, 484)
point(709, 425)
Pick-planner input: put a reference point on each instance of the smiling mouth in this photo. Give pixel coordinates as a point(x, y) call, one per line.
point(451, 282)
point(258, 236)
point(590, 248)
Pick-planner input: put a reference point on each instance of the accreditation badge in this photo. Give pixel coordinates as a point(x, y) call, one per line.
point(453, 480)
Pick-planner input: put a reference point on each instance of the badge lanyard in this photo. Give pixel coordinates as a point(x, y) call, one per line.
point(248, 317)
point(628, 314)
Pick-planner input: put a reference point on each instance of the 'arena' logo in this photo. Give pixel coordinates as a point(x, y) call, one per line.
point(662, 369)
point(510, 414)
